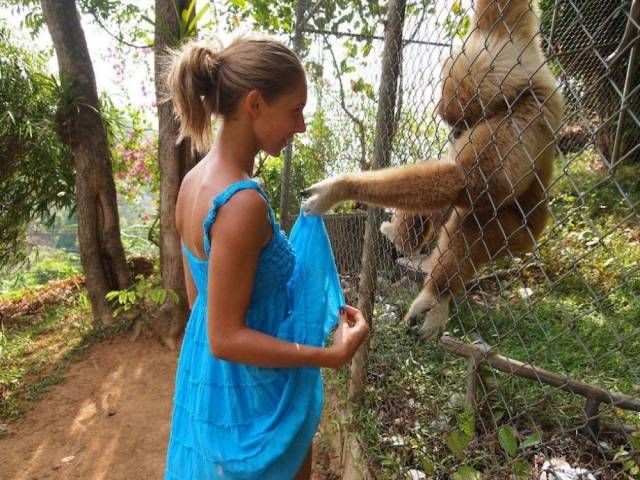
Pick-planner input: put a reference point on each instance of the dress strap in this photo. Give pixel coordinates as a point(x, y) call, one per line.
point(221, 199)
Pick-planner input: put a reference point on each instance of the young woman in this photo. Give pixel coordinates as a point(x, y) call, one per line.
point(247, 403)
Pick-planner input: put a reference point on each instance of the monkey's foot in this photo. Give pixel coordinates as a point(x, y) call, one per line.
point(436, 315)
point(435, 321)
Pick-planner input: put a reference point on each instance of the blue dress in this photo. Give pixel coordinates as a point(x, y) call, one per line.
point(235, 421)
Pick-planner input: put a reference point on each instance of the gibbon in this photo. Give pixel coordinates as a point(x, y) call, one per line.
point(487, 197)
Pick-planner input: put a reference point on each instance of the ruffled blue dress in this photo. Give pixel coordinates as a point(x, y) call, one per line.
point(240, 422)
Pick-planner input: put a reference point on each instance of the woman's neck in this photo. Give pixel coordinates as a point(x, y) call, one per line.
point(235, 145)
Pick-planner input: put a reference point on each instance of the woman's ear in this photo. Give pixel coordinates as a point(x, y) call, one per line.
point(254, 103)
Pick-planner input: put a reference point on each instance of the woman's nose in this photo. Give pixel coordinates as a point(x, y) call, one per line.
point(301, 127)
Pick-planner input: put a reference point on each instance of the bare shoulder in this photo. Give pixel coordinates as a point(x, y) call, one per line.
point(243, 220)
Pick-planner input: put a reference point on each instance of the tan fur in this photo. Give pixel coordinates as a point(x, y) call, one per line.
point(490, 192)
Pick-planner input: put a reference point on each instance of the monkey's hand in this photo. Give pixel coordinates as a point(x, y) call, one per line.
point(322, 196)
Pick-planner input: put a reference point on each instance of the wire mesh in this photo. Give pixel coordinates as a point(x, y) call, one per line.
point(558, 292)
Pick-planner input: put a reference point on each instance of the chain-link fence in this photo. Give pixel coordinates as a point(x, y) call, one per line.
point(533, 256)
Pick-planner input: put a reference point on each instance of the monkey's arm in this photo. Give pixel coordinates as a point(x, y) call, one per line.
point(425, 187)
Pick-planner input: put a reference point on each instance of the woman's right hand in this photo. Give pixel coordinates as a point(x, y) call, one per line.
point(351, 332)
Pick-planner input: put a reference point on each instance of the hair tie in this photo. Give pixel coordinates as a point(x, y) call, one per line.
point(211, 62)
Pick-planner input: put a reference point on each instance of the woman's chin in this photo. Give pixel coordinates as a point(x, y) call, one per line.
point(275, 152)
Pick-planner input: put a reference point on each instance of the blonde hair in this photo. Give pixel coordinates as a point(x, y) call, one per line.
point(205, 79)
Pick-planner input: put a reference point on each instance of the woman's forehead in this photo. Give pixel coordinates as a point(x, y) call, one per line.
point(300, 92)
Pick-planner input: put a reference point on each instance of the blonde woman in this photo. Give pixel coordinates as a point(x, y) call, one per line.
point(247, 403)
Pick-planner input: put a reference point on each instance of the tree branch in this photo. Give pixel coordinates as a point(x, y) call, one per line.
point(359, 123)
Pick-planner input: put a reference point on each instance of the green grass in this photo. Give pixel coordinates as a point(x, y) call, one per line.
point(43, 265)
point(583, 320)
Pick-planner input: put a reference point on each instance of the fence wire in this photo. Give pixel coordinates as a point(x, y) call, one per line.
point(566, 305)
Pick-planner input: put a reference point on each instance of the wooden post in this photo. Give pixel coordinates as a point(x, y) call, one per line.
point(591, 412)
point(391, 58)
point(355, 468)
point(470, 399)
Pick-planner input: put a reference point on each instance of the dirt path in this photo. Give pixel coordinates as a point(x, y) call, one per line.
point(109, 419)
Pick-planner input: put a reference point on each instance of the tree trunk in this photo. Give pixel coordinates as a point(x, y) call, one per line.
point(175, 161)
point(354, 466)
point(285, 182)
point(385, 129)
point(80, 124)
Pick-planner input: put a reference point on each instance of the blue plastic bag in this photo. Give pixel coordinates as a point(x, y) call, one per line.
point(315, 294)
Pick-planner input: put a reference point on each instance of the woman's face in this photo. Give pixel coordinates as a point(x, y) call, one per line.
point(280, 119)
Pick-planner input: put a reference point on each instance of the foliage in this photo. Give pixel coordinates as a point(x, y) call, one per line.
point(189, 19)
point(458, 21)
point(146, 294)
point(37, 169)
point(134, 146)
point(278, 17)
point(110, 15)
point(41, 266)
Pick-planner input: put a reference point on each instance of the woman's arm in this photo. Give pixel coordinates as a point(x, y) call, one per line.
point(239, 233)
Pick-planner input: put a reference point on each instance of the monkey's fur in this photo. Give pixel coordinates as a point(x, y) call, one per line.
point(487, 197)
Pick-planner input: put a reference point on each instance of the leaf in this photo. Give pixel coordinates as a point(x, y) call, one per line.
point(458, 441)
point(531, 440)
point(466, 473)
point(467, 422)
point(521, 469)
point(154, 296)
point(112, 295)
point(131, 297)
point(122, 297)
point(427, 466)
point(508, 440)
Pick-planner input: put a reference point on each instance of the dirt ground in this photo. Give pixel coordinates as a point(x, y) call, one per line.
point(109, 419)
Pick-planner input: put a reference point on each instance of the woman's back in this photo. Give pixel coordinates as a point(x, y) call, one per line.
point(201, 185)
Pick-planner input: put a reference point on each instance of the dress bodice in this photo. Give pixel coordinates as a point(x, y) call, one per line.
point(276, 261)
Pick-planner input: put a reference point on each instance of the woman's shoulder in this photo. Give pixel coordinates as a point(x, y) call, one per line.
point(245, 207)
point(243, 221)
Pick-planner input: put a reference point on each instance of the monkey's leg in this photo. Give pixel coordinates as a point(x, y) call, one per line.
point(465, 244)
point(408, 231)
point(428, 186)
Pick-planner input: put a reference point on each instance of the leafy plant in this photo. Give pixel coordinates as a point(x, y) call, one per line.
point(37, 175)
point(145, 294)
point(466, 473)
point(459, 438)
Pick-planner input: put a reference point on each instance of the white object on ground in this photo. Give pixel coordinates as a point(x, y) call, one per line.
point(559, 469)
point(417, 475)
